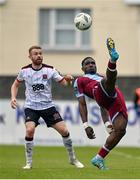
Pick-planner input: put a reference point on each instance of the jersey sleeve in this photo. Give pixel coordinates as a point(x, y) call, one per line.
point(77, 92)
point(20, 76)
point(56, 75)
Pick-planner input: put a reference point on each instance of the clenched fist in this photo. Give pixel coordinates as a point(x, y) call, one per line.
point(90, 133)
point(69, 79)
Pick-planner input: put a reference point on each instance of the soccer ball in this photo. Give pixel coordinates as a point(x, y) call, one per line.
point(83, 21)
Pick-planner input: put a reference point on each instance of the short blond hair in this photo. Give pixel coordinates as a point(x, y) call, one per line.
point(34, 47)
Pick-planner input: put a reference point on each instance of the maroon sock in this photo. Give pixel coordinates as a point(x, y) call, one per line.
point(111, 66)
point(103, 152)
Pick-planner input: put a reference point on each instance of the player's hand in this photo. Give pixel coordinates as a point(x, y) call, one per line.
point(13, 103)
point(90, 133)
point(69, 79)
point(109, 127)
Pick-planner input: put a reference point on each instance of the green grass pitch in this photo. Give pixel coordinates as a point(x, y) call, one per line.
point(52, 163)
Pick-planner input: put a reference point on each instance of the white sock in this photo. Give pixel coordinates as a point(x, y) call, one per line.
point(68, 145)
point(29, 151)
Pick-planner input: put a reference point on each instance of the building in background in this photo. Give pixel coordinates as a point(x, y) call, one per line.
point(49, 23)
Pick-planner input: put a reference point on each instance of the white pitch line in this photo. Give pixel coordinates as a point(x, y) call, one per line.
point(126, 155)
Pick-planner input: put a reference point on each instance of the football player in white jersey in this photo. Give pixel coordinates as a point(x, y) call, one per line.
point(37, 77)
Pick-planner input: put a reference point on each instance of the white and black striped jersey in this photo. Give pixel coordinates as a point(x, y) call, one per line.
point(38, 85)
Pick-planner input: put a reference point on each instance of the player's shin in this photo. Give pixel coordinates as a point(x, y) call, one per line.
point(28, 150)
point(73, 160)
point(68, 145)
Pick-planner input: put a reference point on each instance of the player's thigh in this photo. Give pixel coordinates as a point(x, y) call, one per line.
point(51, 116)
point(61, 128)
point(120, 122)
point(31, 116)
point(108, 87)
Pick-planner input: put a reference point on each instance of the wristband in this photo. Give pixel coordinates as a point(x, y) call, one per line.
point(85, 125)
point(107, 123)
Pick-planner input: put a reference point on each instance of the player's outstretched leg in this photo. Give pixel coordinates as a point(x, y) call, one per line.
point(111, 48)
point(111, 72)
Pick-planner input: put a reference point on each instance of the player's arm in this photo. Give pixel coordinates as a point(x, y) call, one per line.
point(63, 80)
point(14, 91)
point(107, 123)
point(83, 109)
point(84, 117)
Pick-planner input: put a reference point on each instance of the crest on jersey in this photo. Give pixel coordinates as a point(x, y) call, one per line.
point(56, 116)
point(44, 76)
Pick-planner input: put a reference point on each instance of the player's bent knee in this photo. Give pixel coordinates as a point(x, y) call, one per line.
point(64, 132)
point(30, 131)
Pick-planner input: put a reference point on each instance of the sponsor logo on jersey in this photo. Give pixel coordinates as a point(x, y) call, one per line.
point(44, 76)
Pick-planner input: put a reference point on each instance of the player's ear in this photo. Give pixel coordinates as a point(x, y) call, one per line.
point(29, 56)
point(82, 69)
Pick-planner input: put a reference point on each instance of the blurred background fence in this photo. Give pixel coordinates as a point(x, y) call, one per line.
point(126, 84)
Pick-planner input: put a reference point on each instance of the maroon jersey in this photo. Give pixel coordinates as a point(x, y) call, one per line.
point(90, 85)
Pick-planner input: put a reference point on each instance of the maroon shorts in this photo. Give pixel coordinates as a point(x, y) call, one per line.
point(114, 105)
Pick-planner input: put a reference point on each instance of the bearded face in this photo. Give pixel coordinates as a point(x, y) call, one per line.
point(36, 56)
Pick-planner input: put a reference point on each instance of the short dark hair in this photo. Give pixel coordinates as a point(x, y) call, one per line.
point(34, 47)
point(88, 57)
